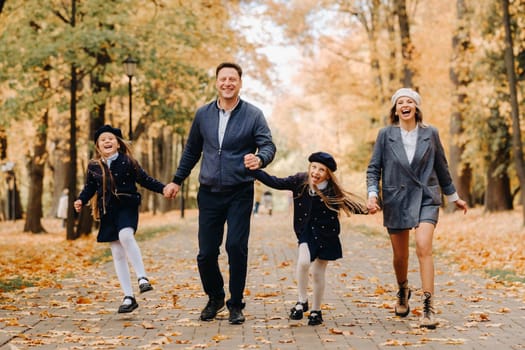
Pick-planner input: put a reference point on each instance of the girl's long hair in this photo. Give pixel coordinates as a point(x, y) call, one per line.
point(106, 175)
point(338, 198)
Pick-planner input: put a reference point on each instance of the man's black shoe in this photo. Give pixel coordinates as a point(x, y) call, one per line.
point(128, 307)
point(211, 309)
point(236, 316)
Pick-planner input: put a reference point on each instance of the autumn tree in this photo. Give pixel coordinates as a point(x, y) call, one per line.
point(517, 144)
point(461, 76)
point(488, 136)
point(408, 50)
point(83, 54)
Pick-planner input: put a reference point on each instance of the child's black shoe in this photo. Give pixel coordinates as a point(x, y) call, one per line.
point(144, 285)
point(129, 306)
point(315, 318)
point(296, 312)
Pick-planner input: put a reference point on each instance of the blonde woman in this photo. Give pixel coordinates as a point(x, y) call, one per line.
point(409, 160)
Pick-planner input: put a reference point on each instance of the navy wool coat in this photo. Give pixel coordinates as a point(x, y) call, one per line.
point(122, 200)
point(407, 187)
point(314, 223)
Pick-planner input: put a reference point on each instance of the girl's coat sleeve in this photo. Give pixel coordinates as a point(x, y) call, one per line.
point(291, 183)
point(90, 187)
point(149, 182)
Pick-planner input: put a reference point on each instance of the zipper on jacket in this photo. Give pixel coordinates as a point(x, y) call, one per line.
point(220, 167)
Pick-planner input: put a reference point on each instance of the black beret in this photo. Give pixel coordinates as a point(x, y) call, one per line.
point(108, 128)
point(323, 158)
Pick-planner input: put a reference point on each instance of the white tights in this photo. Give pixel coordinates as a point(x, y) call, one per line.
point(318, 276)
point(126, 248)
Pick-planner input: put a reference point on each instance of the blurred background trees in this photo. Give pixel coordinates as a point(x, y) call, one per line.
point(334, 94)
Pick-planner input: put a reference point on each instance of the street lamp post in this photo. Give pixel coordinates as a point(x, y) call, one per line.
point(130, 64)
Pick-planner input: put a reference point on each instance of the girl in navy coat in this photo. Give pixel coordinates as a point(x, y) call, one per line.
point(317, 199)
point(111, 187)
point(410, 163)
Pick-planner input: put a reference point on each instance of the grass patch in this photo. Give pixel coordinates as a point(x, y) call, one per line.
point(152, 232)
point(505, 275)
point(14, 284)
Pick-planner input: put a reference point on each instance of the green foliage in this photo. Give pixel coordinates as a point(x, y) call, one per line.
point(175, 47)
point(505, 275)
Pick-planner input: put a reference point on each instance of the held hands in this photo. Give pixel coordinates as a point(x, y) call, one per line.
point(77, 205)
point(171, 190)
point(372, 205)
point(252, 162)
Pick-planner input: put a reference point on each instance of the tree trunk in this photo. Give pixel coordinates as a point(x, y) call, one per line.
point(516, 128)
point(369, 16)
point(392, 83)
point(36, 165)
point(3, 190)
point(461, 79)
point(498, 195)
point(167, 169)
point(407, 47)
point(97, 116)
point(72, 173)
point(12, 204)
point(145, 163)
point(163, 164)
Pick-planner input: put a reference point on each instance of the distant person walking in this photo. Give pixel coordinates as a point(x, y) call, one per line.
point(62, 206)
point(222, 133)
point(409, 159)
point(111, 181)
point(268, 201)
point(257, 197)
point(318, 198)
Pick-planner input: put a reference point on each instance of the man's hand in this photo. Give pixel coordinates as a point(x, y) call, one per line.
point(171, 190)
point(252, 162)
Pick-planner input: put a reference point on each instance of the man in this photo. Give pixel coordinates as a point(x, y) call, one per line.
point(227, 133)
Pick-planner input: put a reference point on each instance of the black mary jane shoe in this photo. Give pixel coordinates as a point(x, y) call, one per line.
point(145, 286)
point(296, 313)
point(315, 318)
point(127, 308)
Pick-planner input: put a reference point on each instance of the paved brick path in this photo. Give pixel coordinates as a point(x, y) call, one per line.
point(474, 313)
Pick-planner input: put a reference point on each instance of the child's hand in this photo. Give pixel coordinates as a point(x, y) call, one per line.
point(171, 190)
point(78, 205)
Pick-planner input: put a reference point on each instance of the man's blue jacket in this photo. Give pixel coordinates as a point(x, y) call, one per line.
point(222, 167)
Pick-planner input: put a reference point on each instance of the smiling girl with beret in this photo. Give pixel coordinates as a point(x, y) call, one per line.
point(317, 198)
